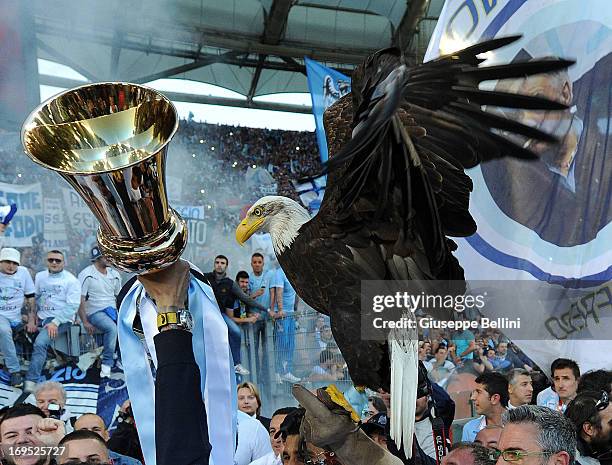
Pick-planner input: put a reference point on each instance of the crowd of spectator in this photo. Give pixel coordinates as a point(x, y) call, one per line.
point(475, 352)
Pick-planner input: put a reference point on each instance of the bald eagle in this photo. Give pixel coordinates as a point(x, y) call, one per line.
point(396, 188)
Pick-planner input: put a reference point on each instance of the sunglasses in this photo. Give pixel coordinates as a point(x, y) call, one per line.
point(511, 455)
point(54, 260)
point(603, 402)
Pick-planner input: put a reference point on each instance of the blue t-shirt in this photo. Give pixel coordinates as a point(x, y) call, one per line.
point(265, 279)
point(281, 281)
point(463, 340)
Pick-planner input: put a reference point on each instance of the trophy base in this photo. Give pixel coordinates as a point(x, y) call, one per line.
point(149, 254)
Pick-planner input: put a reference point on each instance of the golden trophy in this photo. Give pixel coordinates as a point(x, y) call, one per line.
point(109, 141)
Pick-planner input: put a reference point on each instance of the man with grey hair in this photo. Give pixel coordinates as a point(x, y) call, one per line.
point(536, 435)
point(520, 388)
point(51, 399)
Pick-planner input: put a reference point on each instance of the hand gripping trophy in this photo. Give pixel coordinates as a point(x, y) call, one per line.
point(109, 142)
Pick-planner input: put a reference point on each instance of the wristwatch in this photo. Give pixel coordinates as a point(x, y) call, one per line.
point(181, 319)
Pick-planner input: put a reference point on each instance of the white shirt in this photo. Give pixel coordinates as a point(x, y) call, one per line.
point(439, 374)
point(423, 430)
point(100, 289)
point(268, 459)
point(58, 295)
point(13, 289)
point(431, 364)
point(253, 440)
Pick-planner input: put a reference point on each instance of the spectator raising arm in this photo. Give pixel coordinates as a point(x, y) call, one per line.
point(181, 432)
point(246, 299)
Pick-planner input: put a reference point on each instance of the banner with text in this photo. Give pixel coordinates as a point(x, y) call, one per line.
point(55, 226)
point(28, 222)
point(80, 216)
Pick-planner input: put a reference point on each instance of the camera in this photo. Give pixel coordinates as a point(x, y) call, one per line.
point(125, 416)
point(55, 411)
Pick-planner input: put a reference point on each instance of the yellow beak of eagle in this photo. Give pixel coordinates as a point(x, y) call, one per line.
point(247, 228)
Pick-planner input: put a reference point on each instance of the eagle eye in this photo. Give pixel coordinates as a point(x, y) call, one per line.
point(257, 211)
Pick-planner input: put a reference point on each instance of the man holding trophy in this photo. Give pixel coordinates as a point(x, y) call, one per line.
point(108, 155)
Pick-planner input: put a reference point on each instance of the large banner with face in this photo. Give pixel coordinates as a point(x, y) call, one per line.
point(548, 220)
point(326, 86)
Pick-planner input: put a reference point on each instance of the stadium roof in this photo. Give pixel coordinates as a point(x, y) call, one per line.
point(253, 47)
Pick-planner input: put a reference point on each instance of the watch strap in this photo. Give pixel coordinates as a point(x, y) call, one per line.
point(167, 318)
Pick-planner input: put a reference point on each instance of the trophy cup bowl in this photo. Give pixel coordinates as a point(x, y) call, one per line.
point(109, 141)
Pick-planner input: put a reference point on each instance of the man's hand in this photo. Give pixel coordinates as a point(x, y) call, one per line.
point(32, 326)
point(258, 293)
point(52, 330)
point(2, 228)
point(321, 426)
point(124, 408)
point(50, 431)
point(280, 314)
point(168, 287)
point(91, 329)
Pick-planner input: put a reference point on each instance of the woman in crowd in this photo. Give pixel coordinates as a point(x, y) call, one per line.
point(249, 402)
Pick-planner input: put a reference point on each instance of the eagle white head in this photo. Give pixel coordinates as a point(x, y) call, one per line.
point(279, 216)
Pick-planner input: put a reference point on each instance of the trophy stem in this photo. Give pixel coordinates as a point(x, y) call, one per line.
point(149, 254)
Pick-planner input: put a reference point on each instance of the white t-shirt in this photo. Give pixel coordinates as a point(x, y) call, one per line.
point(268, 459)
point(13, 289)
point(439, 374)
point(431, 364)
point(100, 289)
point(253, 440)
point(58, 295)
point(424, 433)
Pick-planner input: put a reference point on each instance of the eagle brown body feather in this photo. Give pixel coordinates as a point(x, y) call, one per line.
point(396, 187)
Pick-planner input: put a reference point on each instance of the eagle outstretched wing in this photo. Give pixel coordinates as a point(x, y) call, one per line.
point(396, 188)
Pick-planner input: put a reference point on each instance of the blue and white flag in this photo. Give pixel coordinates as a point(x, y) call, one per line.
point(7, 212)
point(326, 86)
point(549, 220)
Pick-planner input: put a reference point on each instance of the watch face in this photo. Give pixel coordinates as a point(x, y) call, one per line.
point(186, 319)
